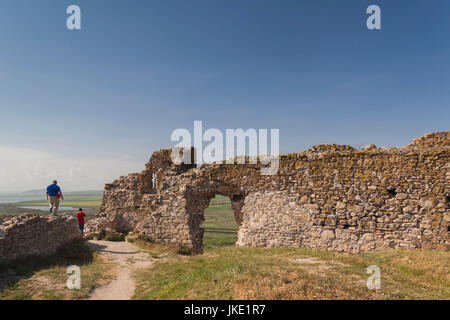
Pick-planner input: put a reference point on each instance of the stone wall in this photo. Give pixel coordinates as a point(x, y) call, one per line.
point(35, 235)
point(328, 197)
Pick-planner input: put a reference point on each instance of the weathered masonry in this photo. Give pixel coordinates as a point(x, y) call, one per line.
point(329, 197)
point(35, 235)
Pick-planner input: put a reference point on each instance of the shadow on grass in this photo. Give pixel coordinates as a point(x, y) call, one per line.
point(101, 248)
point(75, 253)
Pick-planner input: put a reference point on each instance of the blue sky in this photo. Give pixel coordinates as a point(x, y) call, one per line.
point(97, 102)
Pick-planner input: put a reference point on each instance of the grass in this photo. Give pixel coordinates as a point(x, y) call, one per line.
point(73, 201)
point(39, 278)
point(220, 225)
point(224, 271)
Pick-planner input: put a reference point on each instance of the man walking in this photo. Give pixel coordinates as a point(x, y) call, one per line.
point(53, 195)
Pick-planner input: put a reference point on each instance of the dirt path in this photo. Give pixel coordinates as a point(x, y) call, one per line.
point(127, 258)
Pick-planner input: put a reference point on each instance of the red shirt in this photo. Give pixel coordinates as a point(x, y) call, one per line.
point(80, 216)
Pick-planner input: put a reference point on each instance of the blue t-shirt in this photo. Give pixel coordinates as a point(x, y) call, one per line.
point(53, 190)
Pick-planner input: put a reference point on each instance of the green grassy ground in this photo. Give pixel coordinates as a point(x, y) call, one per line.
point(44, 278)
point(220, 225)
point(83, 202)
point(224, 271)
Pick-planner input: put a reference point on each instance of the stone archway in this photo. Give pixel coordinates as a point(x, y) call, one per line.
point(197, 201)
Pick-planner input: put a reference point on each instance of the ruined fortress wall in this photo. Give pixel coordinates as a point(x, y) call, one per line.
point(352, 202)
point(123, 193)
point(34, 235)
point(329, 197)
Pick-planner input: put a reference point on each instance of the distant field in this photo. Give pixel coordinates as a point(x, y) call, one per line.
point(83, 201)
point(89, 203)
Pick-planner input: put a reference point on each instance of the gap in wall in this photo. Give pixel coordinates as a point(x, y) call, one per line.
point(220, 224)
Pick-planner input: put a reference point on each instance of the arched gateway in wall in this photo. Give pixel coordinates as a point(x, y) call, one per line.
point(329, 197)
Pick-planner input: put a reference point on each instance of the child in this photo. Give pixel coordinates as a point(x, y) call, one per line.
point(80, 218)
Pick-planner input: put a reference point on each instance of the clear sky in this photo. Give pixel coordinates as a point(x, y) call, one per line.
point(90, 105)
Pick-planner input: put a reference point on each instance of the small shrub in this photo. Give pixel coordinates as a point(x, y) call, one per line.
point(183, 250)
point(116, 236)
point(111, 236)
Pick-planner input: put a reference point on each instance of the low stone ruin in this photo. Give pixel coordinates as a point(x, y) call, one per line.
point(35, 235)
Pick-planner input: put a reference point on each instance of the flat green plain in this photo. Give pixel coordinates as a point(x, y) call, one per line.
point(77, 201)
